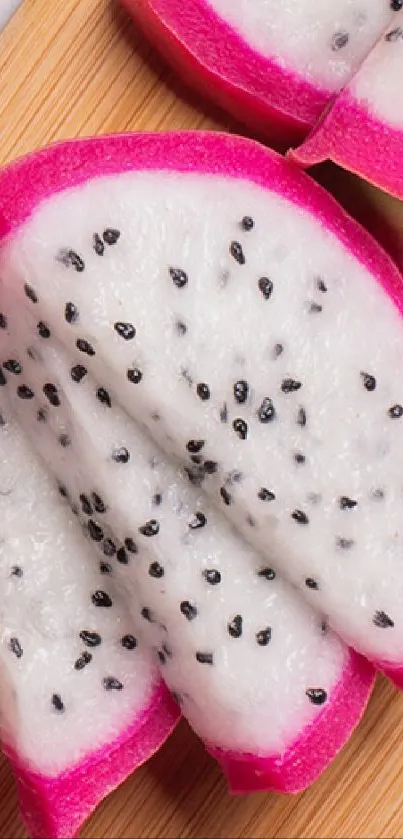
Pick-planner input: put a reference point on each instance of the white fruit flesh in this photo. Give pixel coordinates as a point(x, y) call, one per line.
point(284, 283)
point(377, 85)
point(54, 714)
point(322, 42)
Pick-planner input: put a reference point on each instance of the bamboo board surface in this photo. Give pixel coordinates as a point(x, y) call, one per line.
point(77, 67)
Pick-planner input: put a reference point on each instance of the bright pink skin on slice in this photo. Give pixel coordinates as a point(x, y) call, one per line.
point(55, 808)
point(306, 759)
point(211, 56)
point(352, 137)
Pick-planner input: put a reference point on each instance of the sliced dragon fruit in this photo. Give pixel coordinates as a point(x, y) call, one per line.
point(363, 130)
point(272, 693)
point(222, 297)
point(273, 65)
point(81, 701)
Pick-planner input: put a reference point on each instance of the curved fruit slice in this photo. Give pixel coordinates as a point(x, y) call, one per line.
point(272, 693)
point(363, 131)
point(273, 65)
point(221, 296)
point(80, 707)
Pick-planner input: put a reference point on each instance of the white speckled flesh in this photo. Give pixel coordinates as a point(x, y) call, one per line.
point(378, 83)
point(213, 301)
point(324, 42)
point(48, 579)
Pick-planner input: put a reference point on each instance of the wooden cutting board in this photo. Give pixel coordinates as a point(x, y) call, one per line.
point(76, 67)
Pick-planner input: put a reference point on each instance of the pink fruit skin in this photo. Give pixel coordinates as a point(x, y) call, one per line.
point(210, 55)
point(355, 139)
point(55, 808)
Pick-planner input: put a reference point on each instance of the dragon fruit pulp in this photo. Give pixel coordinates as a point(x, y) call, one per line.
point(366, 117)
point(255, 671)
point(273, 65)
point(81, 701)
point(265, 327)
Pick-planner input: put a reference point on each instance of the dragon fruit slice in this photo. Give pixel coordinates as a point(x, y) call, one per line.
point(224, 298)
point(366, 117)
point(221, 622)
point(81, 701)
point(273, 65)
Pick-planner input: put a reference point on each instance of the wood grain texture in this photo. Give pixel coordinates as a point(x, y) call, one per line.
point(77, 67)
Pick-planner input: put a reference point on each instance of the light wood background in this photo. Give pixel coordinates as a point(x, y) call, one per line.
point(75, 67)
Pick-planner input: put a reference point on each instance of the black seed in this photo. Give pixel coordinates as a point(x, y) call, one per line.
point(31, 353)
point(266, 413)
point(95, 531)
point(101, 598)
point(339, 41)
point(78, 372)
point(161, 656)
point(267, 573)
point(194, 446)
point(203, 391)
point(57, 703)
point(3, 321)
point(179, 277)
point(110, 683)
point(82, 661)
point(3, 381)
point(346, 503)
point(188, 609)
point(167, 651)
point(51, 394)
point(15, 647)
point(105, 568)
point(278, 350)
point(108, 547)
point(395, 34)
point(125, 330)
point(226, 496)
point(212, 576)
point(224, 413)
point(210, 467)
point(197, 521)
point(321, 285)
point(236, 251)
point(134, 375)
point(2, 421)
point(23, 391)
point(263, 637)
point(195, 475)
point(300, 517)
point(299, 457)
point(131, 545)
point(266, 494)
point(74, 509)
point(63, 490)
point(301, 417)
point(247, 223)
point(147, 614)
point(241, 428)
point(31, 294)
point(70, 258)
point(98, 244)
point(64, 440)
point(368, 381)
point(344, 544)
point(121, 455)
point(157, 499)
point(122, 556)
point(324, 626)
point(315, 308)
point(156, 570)
point(90, 639)
point(311, 583)
point(111, 236)
point(290, 385)
point(382, 620)
point(196, 458)
point(317, 696)
point(395, 412)
point(85, 505)
point(396, 5)
point(43, 329)
point(71, 313)
point(241, 390)
point(129, 642)
point(266, 287)
point(234, 626)
point(13, 366)
point(103, 397)
point(181, 327)
point(16, 571)
point(204, 658)
point(150, 528)
point(99, 504)
point(84, 346)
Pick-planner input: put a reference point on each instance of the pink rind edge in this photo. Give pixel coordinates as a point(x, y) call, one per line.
point(214, 58)
point(318, 744)
point(55, 808)
point(355, 139)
